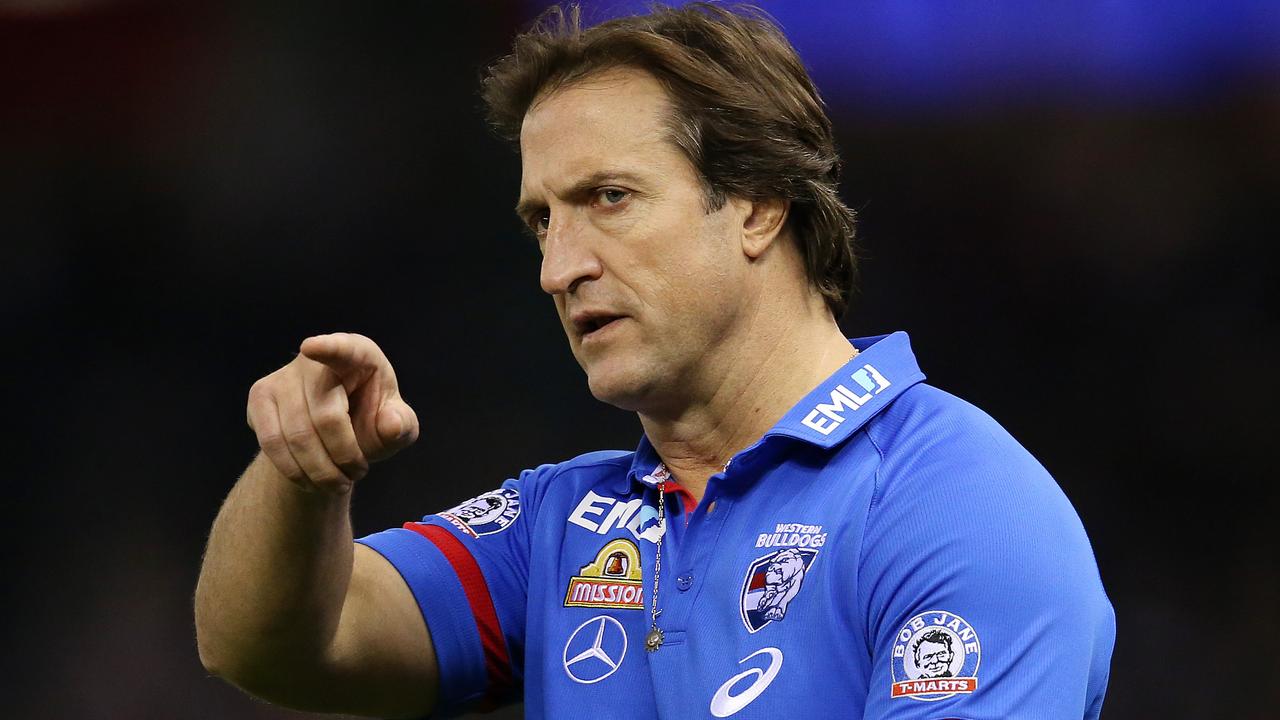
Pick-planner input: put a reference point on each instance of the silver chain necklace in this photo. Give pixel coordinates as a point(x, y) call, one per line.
point(654, 639)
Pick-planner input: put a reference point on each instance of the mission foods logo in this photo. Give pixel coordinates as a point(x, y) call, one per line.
point(935, 656)
point(826, 417)
point(612, 580)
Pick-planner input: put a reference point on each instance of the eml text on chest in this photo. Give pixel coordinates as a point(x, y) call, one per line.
point(600, 514)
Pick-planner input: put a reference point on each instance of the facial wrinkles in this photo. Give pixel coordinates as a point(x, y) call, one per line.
point(581, 127)
point(719, 403)
point(664, 261)
point(729, 378)
point(690, 298)
point(631, 233)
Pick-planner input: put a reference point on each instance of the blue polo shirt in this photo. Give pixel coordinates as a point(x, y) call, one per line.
point(885, 551)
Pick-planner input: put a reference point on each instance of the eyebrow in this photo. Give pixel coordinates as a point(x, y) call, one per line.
point(604, 177)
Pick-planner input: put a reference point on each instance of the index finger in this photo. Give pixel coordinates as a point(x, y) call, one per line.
point(347, 354)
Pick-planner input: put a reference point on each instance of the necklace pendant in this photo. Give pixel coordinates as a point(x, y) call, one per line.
point(653, 640)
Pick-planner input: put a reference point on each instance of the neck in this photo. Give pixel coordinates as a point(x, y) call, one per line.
point(758, 379)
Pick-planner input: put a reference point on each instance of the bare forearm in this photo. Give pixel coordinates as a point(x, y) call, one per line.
point(286, 606)
point(274, 576)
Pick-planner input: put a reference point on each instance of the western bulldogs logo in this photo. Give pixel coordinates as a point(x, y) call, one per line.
point(935, 656)
point(487, 514)
point(772, 582)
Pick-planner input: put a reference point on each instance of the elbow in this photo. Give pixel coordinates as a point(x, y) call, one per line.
point(212, 657)
point(252, 667)
point(220, 655)
point(206, 642)
point(209, 661)
point(220, 644)
point(232, 665)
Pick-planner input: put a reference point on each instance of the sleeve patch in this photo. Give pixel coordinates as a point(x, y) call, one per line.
point(935, 656)
point(486, 514)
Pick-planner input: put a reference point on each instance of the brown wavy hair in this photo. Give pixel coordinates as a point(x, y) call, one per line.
point(745, 112)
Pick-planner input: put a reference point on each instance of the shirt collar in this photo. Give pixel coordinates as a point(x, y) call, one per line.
point(646, 466)
point(881, 371)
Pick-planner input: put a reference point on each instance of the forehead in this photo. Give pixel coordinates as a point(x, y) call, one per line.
point(616, 119)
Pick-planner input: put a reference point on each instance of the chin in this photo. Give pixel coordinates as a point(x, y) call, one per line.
point(618, 394)
point(623, 386)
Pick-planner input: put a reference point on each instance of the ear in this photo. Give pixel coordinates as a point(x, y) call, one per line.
point(762, 224)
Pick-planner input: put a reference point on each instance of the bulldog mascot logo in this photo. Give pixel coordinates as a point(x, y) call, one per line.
point(772, 583)
point(782, 579)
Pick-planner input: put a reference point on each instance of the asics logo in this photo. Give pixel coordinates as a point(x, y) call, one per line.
point(724, 703)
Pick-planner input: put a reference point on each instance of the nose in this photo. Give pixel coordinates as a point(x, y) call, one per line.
point(568, 258)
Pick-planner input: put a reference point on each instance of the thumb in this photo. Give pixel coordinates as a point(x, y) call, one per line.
point(397, 424)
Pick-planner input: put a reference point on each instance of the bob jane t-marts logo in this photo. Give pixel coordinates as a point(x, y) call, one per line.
point(935, 656)
point(486, 514)
point(612, 580)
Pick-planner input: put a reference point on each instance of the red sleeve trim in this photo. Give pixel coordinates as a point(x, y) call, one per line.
point(497, 662)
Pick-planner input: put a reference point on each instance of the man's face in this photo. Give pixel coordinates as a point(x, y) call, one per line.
point(934, 660)
point(646, 281)
point(473, 512)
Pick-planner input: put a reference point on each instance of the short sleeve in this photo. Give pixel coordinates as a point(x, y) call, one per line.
point(468, 568)
point(981, 592)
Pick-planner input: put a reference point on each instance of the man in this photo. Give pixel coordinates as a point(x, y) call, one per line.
point(933, 655)
point(801, 513)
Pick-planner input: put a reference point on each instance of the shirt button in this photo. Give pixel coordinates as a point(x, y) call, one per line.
point(684, 582)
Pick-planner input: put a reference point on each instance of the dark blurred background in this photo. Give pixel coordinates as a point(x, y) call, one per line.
point(1070, 207)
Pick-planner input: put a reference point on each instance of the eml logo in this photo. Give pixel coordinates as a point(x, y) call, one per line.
point(616, 513)
point(828, 416)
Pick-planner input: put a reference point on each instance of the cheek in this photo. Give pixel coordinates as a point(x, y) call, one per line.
point(721, 262)
point(702, 265)
point(685, 264)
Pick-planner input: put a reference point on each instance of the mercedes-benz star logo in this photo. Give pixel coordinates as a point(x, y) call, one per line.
point(598, 646)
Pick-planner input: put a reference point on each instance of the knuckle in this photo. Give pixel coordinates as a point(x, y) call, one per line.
point(331, 422)
point(299, 438)
point(329, 476)
point(267, 386)
point(279, 456)
point(352, 462)
point(273, 444)
point(260, 389)
point(258, 406)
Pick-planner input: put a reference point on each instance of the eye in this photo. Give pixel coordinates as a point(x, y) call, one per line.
point(536, 224)
point(611, 196)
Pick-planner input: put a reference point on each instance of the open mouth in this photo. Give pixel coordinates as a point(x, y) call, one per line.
point(592, 325)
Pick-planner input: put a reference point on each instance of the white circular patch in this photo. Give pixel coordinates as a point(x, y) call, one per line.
point(486, 514)
point(935, 656)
